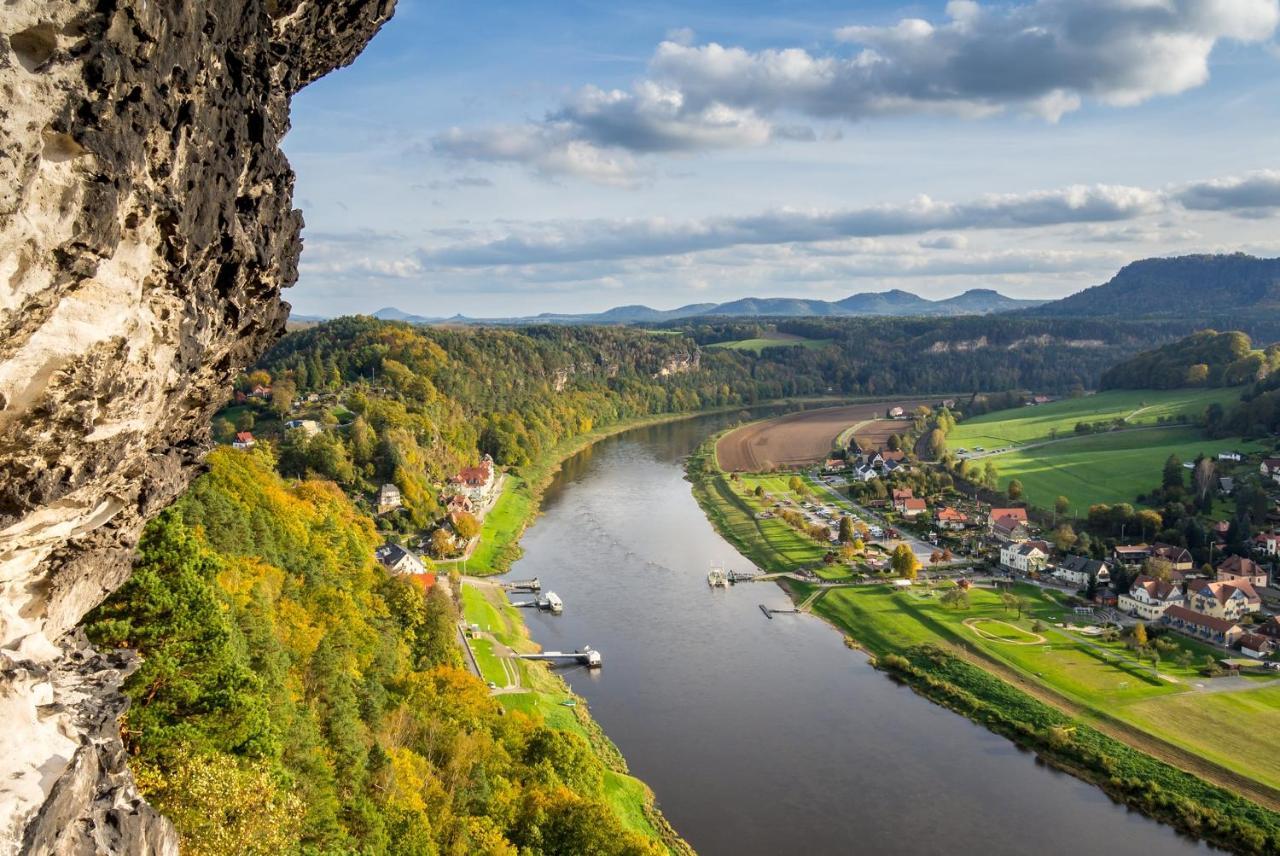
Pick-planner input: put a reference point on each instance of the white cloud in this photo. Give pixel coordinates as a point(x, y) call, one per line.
point(1044, 58)
point(1257, 193)
point(945, 242)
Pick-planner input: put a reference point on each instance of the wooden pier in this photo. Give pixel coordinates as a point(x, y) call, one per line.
point(532, 585)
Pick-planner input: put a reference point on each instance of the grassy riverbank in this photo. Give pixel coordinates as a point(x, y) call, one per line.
point(1082, 702)
point(539, 691)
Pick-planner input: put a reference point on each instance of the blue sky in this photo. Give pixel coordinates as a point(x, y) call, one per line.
point(513, 158)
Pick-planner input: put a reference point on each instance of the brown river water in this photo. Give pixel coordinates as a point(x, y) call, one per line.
point(770, 736)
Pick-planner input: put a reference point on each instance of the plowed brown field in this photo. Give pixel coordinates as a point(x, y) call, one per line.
point(806, 436)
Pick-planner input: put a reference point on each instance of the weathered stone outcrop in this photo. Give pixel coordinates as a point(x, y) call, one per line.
point(146, 229)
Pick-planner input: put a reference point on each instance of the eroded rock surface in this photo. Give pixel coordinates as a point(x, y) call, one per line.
point(146, 229)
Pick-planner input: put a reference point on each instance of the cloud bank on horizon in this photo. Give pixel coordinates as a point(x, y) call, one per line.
point(803, 156)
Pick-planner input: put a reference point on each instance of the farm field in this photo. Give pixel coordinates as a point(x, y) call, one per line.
point(1137, 407)
point(1099, 676)
point(796, 438)
point(773, 340)
point(1108, 468)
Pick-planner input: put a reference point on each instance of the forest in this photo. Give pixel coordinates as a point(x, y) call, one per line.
point(1205, 358)
point(295, 698)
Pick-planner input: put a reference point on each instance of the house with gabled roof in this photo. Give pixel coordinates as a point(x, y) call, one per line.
point(1078, 570)
point(244, 440)
point(1028, 557)
point(1149, 598)
point(1179, 557)
point(1222, 600)
point(398, 560)
point(951, 518)
point(1240, 569)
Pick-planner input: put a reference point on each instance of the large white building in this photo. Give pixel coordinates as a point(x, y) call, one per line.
point(1149, 598)
point(1028, 557)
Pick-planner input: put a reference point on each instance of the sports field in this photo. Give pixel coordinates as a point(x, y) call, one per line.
point(1136, 407)
point(1109, 468)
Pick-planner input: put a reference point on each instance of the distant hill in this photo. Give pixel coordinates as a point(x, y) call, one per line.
point(1206, 358)
point(1182, 286)
point(895, 303)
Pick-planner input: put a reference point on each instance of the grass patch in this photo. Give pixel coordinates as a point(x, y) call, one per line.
point(1137, 407)
point(1110, 468)
point(756, 346)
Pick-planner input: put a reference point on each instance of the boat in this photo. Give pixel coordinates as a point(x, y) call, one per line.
point(716, 577)
point(553, 603)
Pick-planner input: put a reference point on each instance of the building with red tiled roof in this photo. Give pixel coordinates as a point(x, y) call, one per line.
point(1239, 569)
point(244, 440)
point(1232, 600)
point(1223, 631)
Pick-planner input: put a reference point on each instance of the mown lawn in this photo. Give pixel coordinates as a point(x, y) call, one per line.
point(1110, 468)
point(1138, 407)
point(1099, 676)
point(771, 544)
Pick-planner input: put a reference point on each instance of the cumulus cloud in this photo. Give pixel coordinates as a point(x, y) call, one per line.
point(945, 242)
point(1254, 194)
point(1045, 58)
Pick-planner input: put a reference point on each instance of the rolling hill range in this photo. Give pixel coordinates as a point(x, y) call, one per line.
point(895, 303)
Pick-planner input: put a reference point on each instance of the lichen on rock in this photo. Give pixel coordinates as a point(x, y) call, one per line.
point(146, 230)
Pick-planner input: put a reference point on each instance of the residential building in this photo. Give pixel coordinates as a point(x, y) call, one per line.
point(1179, 558)
point(1149, 598)
point(1027, 557)
point(1078, 570)
point(899, 496)
point(1222, 631)
point(996, 514)
point(1270, 468)
point(1236, 457)
point(398, 560)
point(1131, 555)
point(864, 474)
point(260, 392)
point(388, 498)
point(950, 518)
point(478, 482)
point(1222, 600)
point(1270, 628)
point(1239, 569)
point(244, 440)
point(914, 507)
point(896, 412)
point(1256, 645)
point(1011, 529)
point(1267, 542)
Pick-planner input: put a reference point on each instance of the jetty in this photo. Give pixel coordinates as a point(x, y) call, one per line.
point(532, 585)
point(770, 613)
point(588, 657)
point(551, 603)
point(742, 577)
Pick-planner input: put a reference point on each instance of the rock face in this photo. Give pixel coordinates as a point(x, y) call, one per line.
point(146, 229)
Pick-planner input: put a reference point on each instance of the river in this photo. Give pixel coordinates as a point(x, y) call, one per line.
point(770, 736)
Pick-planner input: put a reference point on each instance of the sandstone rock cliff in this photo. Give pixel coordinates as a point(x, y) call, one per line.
point(146, 229)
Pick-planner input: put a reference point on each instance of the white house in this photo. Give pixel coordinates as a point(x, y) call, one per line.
point(398, 560)
point(1026, 557)
point(388, 498)
point(1235, 457)
point(1149, 598)
point(1078, 570)
point(243, 440)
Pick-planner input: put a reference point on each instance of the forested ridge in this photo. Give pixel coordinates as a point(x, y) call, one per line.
point(1206, 358)
point(295, 698)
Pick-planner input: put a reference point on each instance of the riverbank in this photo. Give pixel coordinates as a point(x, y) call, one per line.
point(958, 668)
point(535, 689)
point(522, 492)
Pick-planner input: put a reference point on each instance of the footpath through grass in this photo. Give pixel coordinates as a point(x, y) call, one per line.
point(1172, 701)
point(1111, 468)
point(1137, 407)
point(548, 697)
